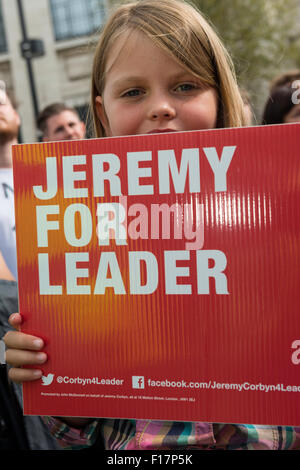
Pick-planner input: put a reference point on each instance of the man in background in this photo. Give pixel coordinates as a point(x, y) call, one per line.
point(60, 122)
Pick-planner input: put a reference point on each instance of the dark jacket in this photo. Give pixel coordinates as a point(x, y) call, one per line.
point(37, 435)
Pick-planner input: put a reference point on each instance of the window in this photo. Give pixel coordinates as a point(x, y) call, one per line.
point(3, 44)
point(73, 18)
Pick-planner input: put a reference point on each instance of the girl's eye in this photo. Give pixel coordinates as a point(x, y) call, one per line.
point(132, 93)
point(186, 87)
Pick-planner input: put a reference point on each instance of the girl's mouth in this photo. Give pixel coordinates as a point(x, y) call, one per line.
point(160, 131)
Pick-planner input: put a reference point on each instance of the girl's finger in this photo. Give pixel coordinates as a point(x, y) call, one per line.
point(24, 375)
point(15, 320)
point(17, 357)
point(18, 340)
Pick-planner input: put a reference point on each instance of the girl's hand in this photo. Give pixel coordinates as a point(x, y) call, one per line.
point(23, 349)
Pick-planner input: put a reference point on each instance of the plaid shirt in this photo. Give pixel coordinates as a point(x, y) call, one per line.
point(122, 434)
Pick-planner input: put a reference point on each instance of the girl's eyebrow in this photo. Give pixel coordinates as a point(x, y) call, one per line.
point(127, 80)
point(123, 81)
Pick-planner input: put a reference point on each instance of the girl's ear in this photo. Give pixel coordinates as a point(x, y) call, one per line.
point(102, 114)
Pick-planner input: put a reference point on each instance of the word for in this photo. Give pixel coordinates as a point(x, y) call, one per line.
point(109, 274)
point(106, 167)
point(112, 223)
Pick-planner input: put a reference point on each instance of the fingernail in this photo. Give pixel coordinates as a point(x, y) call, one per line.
point(41, 357)
point(38, 343)
point(37, 373)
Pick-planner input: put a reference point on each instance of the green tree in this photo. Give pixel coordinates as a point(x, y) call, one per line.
point(261, 36)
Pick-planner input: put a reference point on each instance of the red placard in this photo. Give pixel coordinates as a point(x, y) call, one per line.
point(162, 271)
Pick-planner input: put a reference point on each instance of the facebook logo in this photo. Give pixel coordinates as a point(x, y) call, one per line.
point(138, 381)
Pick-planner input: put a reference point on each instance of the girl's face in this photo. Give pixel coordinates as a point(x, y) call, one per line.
point(147, 91)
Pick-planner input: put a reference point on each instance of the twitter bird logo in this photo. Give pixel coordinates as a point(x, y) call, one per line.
point(48, 379)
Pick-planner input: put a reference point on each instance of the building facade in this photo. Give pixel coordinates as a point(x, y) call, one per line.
point(67, 31)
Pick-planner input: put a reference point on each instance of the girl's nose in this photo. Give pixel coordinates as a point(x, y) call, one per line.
point(162, 110)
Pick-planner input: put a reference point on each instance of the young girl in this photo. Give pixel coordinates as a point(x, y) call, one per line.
point(159, 67)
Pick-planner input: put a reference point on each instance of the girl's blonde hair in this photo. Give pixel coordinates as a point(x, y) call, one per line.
point(181, 31)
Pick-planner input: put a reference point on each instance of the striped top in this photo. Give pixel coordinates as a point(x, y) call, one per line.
point(120, 434)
